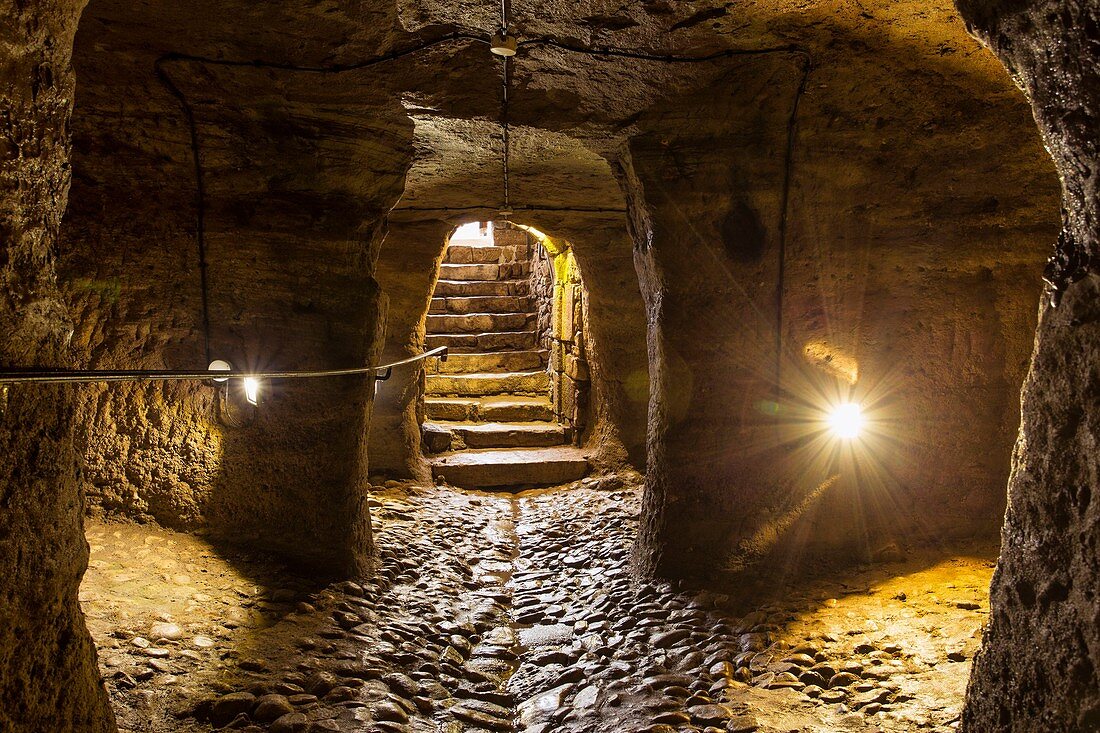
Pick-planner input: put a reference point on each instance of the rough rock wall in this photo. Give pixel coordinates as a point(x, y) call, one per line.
point(298, 174)
point(615, 333)
point(1037, 669)
point(542, 288)
point(560, 300)
point(919, 208)
point(406, 269)
point(696, 197)
point(48, 674)
point(920, 280)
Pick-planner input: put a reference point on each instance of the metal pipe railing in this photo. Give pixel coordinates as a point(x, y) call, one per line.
point(38, 374)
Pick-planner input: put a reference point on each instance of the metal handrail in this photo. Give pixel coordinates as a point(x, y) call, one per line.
point(37, 374)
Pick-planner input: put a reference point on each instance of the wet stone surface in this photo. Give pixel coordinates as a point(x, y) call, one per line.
point(499, 612)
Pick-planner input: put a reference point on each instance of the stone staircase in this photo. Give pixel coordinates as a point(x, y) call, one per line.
point(490, 420)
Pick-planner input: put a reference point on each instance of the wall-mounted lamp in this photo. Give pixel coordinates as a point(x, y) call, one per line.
point(252, 390)
point(251, 384)
point(220, 365)
point(846, 420)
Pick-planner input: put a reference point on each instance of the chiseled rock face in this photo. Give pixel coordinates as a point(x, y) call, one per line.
point(1038, 666)
point(298, 174)
point(920, 208)
point(42, 548)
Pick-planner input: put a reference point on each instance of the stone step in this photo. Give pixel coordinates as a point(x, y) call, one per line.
point(488, 383)
point(509, 271)
point(496, 408)
point(482, 304)
point(480, 322)
point(497, 361)
point(485, 254)
point(478, 288)
point(465, 254)
point(472, 342)
point(469, 272)
point(510, 468)
point(445, 436)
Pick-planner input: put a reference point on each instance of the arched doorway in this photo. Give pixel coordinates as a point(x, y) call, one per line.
point(511, 401)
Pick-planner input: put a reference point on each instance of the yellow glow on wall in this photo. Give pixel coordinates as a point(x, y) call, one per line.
point(832, 361)
point(566, 273)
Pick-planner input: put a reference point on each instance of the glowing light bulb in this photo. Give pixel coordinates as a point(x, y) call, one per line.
point(252, 390)
point(846, 421)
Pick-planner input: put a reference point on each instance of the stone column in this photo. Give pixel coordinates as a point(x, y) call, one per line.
point(1037, 669)
point(48, 675)
point(698, 201)
point(615, 328)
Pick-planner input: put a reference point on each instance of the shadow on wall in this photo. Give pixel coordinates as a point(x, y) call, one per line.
point(849, 267)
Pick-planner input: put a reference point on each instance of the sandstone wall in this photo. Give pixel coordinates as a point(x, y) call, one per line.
point(914, 200)
point(407, 268)
point(293, 207)
point(1037, 669)
point(910, 262)
point(615, 336)
point(48, 674)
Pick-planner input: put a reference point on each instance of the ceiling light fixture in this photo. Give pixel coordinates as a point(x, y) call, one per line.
point(503, 45)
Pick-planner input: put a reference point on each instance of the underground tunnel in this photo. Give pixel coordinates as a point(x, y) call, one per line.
point(653, 366)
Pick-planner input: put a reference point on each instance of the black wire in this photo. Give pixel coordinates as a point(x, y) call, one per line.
point(523, 207)
point(327, 68)
point(784, 200)
point(200, 198)
point(667, 58)
point(505, 139)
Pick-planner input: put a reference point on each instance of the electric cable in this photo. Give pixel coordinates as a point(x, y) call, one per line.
point(189, 116)
point(16, 376)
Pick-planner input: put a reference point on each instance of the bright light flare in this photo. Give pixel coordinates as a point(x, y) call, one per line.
point(252, 390)
point(846, 421)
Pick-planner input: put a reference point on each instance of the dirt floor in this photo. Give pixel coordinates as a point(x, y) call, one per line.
point(506, 612)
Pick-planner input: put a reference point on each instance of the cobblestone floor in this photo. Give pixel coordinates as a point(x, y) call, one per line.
point(498, 612)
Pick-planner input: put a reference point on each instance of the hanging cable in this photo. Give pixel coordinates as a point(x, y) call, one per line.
point(506, 143)
point(505, 132)
point(200, 200)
